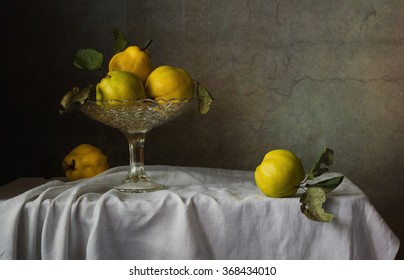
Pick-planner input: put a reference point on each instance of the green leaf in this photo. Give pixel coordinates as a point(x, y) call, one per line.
point(205, 99)
point(328, 185)
point(120, 41)
point(88, 59)
point(327, 158)
point(312, 205)
point(75, 98)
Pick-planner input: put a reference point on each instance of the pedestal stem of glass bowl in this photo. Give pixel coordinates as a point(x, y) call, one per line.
point(137, 180)
point(136, 157)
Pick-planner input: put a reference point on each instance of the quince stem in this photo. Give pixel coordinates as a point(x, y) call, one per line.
point(147, 44)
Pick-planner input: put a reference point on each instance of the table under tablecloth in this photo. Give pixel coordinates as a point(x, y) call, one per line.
point(204, 213)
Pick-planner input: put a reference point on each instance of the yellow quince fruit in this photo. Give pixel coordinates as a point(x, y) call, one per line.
point(133, 59)
point(119, 85)
point(279, 174)
point(168, 82)
point(84, 161)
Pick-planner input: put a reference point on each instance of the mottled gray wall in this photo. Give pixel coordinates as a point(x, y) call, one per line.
point(295, 74)
point(298, 75)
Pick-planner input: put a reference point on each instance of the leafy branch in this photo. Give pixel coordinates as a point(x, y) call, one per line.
point(315, 194)
point(73, 99)
point(120, 40)
point(327, 158)
point(88, 59)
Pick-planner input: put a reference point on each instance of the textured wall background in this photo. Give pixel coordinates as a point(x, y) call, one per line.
point(295, 74)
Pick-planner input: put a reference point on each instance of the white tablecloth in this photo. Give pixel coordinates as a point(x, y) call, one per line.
point(202, 214)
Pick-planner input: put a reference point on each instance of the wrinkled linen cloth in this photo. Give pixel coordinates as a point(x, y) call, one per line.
point(203, 213)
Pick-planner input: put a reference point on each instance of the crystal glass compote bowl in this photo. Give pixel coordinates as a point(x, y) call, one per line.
point(135, 119)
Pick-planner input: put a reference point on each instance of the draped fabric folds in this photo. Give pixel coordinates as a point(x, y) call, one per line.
point(203, 213)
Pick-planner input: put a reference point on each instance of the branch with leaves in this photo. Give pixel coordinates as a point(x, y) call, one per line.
point(315, 194)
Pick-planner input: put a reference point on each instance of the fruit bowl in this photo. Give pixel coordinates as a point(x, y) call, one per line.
point(135, 119)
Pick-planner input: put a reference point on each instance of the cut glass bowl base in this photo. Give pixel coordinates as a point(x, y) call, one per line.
point(141, 186)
